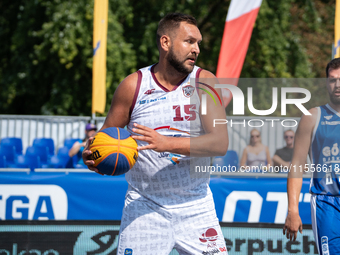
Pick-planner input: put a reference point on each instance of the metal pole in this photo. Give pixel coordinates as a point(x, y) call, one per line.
point(93, 117)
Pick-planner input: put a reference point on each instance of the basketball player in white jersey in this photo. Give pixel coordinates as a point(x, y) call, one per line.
point(319, 133)
point(168, 206)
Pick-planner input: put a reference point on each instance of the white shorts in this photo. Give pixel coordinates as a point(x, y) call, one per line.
point(148, 228)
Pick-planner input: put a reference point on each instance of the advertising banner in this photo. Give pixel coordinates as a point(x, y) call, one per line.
point(101, 237)
point(89, 196)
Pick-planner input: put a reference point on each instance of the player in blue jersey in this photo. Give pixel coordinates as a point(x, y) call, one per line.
point(319, 135)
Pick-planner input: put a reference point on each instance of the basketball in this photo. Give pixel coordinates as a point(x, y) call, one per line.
point(114, 151)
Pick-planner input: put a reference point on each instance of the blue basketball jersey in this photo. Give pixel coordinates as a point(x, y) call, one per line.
point(324, 153)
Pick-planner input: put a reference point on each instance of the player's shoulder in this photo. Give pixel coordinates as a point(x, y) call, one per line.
point(130, 81)
point(314, 111)
point(206, 74)
point(308, 121)
point(125, 91)
point(206, 77)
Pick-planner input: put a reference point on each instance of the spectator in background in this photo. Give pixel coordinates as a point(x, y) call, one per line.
point(283, 156)
point(256, 155)
point(77, 148)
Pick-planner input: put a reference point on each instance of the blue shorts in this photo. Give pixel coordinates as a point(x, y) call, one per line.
point(325, 211)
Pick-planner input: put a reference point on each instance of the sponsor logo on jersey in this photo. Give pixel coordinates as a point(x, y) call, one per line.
point(163, 154)
point(188, 90)
point(213, 251)
point(152, 100)
point(324, 245)
point(326, 151)
point(330, 123)
point(149, 91)
point(331, 154)
point(172, 157)
point(223, 249)
point(209, 235)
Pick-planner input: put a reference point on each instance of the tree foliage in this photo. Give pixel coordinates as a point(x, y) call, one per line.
point(46, 55)
point(46, 46)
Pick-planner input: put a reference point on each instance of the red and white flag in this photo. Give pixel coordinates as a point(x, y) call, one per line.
point(237, 32)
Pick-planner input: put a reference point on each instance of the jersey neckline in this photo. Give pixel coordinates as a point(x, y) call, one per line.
point(332, 110)
point(160, 85)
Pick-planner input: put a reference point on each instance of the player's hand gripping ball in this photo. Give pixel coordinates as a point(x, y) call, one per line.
point(114, 151)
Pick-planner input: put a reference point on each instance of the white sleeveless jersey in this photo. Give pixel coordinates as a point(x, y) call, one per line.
point(165, 178)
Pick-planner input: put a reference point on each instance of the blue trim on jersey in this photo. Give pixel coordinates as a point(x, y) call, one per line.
point(326, 153)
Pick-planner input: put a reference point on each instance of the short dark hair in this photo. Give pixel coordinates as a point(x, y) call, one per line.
point(333, 64)
point(171, 22)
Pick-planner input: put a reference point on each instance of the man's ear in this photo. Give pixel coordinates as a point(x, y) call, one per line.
point(165, 42)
